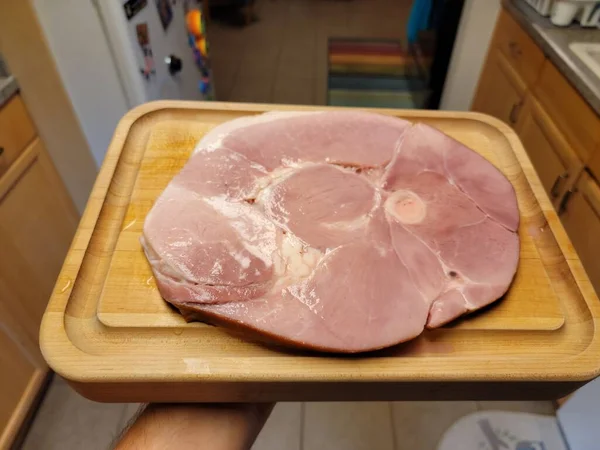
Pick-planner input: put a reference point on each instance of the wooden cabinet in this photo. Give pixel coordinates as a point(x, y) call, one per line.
point(559, 130)
point(500, 91)
point(513, 64)
point(16, 131)
point(577, 120)
point(37, 222)
point(556, 163)
point(522, 52)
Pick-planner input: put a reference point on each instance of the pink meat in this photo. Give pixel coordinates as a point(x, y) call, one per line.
point(337, 231)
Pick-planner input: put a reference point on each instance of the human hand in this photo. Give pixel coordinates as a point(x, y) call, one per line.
point(182, 426)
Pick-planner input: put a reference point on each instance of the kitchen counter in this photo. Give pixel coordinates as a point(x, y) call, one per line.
point(554, 41)
point(8, 86)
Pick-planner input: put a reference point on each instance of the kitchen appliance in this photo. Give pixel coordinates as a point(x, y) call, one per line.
point(153, 56)
point(542, 6)
point(586, 12)
point(565, 12)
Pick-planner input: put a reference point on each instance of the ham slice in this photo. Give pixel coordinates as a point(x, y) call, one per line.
point(334, 231)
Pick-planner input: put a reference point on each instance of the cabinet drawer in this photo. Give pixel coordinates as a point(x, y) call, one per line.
point(568, 109)
point(581, 219)
point(522, 52)
point(16, 131)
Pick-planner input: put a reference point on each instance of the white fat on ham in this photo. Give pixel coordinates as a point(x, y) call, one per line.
point(337, 231)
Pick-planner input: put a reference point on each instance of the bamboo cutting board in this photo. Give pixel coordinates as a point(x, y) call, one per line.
point(109, 333)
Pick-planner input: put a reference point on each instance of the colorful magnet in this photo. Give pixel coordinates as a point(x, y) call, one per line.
point(132, 7)
point(143, 38)
point(165, 12)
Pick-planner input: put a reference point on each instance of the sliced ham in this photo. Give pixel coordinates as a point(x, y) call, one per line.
point(334, 231)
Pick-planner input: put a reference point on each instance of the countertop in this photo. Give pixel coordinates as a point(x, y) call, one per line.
point(8, 86)
point(554, 41)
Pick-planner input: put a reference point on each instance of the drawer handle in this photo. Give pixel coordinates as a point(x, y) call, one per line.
point(514, 113)
point(554, 190)
point(514, 48)
point(563, 203)
point(1, 151)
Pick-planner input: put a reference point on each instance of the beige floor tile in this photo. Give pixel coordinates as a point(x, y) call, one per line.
point(348, 426)
point(282, 430)
point(293, 70)
point(329, 10)
point(298, 48)
point(320, 83)
point(420, 425)
point(536, 407)
point(334, 20)
point(231, 54)
point(257, 68)
point(302, 9)
point(294, 91)
point(68, 421)
point(223, 37)
point(272, 11)
point(321, 68)
point(253, 89)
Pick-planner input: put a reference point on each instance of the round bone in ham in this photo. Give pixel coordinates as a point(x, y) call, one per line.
point(335, 231)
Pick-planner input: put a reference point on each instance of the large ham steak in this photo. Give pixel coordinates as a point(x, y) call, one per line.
point(336, 231)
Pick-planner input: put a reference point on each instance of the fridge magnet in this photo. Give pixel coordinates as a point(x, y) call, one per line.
point(165, 12)
point(132, 7)
point(197, 40)
point(143, 38)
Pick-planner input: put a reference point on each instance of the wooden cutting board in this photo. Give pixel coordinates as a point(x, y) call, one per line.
point(109, 333)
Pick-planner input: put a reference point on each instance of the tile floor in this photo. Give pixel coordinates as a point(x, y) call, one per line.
point(282, 58)
point(67, 421)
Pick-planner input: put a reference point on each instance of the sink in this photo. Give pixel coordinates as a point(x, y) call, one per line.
point(589, 53)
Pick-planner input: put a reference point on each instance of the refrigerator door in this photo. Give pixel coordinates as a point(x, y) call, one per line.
point(579, 417)
point(145, 69)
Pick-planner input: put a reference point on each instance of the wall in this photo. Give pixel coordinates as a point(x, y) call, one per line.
point(26, 52)
point(474, 34)
point(79, 47)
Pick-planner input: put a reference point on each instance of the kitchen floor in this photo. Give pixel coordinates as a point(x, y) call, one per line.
point(282, 58)
point(67, 421)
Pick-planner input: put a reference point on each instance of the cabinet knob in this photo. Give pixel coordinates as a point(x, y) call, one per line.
point(555, 189)
point(514, 49)
point(514, 113)
point(562, 207)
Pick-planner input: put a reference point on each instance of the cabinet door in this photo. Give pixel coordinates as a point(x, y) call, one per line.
point(581, 219)
point(37, 223)
point(19, 381)
point(16, 131)
point(554, 160)
point(500, 91)
point(574, 117)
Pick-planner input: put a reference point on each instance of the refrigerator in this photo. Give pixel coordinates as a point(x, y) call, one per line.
point(155, 54)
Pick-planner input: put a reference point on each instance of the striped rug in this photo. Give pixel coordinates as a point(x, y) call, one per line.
point(375, 73)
